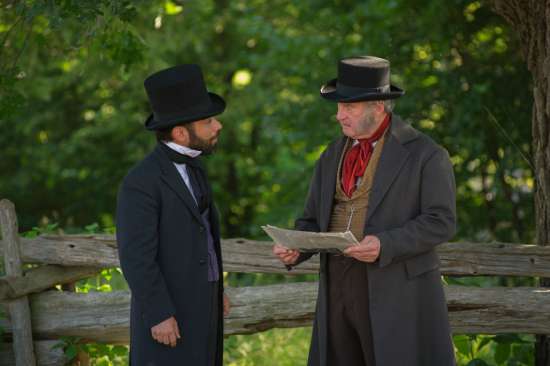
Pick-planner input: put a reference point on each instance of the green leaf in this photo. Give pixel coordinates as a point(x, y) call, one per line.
point(462, 344)
point(485, 340)
point(502, 352)
point(120, 351)
point(508, 339)
point(71, 351)
point(477, 362)
point(92, 228)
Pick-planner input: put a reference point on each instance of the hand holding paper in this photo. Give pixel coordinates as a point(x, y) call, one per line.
point(367, 251)
point(285, 255)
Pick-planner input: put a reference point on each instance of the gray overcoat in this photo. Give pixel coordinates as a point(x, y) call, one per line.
point(411, 210)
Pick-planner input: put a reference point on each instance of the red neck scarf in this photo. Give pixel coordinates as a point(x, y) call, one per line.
point(357, 158)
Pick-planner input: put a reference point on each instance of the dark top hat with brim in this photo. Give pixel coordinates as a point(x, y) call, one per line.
point(361, 78)
point(178, 95)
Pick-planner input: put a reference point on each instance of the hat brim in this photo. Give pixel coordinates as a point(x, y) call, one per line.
point(330, 92)
point(218, 106)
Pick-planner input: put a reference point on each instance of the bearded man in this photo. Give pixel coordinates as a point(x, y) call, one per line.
point(168, 229)
point(382, 301)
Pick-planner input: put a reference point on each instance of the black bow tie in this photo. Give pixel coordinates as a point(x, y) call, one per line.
point(178, 158)
point(196, 173)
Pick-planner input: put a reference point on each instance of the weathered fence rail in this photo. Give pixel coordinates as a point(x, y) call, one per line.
point(72, 257)
point(104, 317)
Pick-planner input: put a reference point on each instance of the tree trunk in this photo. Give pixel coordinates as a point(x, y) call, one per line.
point(530, 18)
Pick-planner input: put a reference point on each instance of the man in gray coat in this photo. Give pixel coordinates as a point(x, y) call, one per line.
point(382, 301)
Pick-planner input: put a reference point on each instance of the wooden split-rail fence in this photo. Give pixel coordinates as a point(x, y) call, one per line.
point(38, 315)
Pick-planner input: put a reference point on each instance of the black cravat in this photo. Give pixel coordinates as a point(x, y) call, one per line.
point(196, 173)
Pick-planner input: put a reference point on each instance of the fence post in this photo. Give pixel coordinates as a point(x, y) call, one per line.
point(19, 309)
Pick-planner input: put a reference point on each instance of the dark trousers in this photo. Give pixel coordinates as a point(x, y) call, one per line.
point(349, 326)
point(213, 326)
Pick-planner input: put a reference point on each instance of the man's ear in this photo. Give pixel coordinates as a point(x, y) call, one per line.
point(180, 135)
point(379, 106)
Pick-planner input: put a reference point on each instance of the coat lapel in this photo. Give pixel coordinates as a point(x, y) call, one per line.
point(328, 187)
point(172, 178)
point(393, 157)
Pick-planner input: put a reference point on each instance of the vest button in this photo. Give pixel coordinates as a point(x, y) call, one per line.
point(202, 229)
point(202, 262)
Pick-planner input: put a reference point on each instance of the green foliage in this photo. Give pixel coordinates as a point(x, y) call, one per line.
point(78, 128)
point(506, 350)
point(277, 347)
point(72, 108)
point(100, 354)
point(41, 230)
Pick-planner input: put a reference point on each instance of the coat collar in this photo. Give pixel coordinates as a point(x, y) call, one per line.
point(394, 155)
point(402, 131)
point(172, 178)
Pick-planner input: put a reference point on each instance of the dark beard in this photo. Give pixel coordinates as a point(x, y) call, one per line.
point(207, 147)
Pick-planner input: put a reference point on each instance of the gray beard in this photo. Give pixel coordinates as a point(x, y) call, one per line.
point(368, 124)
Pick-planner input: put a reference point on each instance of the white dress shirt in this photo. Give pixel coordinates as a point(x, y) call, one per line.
point(182, 168)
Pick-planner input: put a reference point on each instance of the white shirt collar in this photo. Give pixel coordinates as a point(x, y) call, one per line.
point(184, 150)
point(355, 142)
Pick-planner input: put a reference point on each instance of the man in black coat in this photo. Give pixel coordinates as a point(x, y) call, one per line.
point(382, 302)
point(168, 229)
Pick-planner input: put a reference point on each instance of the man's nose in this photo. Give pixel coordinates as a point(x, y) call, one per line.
point(218, 125)
point(340, 115)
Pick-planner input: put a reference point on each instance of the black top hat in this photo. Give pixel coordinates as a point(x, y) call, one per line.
point(178, 95)
point(361, 78)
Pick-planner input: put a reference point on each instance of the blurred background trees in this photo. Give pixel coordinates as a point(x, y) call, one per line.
point(72, 108)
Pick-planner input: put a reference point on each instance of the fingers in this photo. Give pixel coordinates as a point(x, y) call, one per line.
point(364, 258)
point(172, 339)
point(368, 240)
point(364, 253)
point(285, 255)
point(226, 305)
point(367, 245)
point(290, 257)
point(167, 337)
point(279, 249)
point(356, 249)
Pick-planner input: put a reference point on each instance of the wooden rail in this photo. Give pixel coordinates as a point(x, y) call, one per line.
point(73, 257)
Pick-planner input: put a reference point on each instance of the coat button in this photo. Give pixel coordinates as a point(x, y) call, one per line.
point(202, 229)
point(202, 262)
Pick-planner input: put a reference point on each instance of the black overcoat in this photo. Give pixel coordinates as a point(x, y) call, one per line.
point(411, 210)
point(162, 244)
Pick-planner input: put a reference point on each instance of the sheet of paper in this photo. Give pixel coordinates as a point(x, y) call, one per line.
point(306, 241)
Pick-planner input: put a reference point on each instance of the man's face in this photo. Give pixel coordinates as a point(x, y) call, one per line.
point(203, 134)
point(357, 119)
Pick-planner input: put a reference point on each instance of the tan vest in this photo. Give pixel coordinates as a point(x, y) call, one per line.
point(351, 213)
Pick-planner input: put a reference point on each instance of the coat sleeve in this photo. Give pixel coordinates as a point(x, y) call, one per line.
point(309, 220)
point(436, 222)
point(137, 238)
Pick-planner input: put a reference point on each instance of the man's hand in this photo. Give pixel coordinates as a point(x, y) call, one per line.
point(285, 255)
point(166, 332)
point(226, 305)
point(368, 249)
